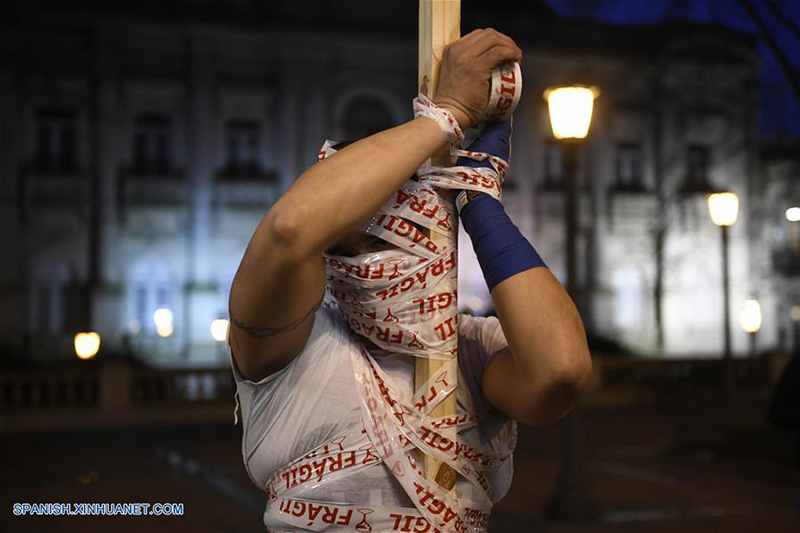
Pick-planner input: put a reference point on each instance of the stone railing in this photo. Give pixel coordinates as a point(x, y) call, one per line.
point(118, 394)
point(113, 394)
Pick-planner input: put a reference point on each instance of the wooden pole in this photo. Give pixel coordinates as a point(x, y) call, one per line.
point(439, 25)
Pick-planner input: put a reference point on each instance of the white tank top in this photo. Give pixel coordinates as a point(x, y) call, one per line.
point(315, 398)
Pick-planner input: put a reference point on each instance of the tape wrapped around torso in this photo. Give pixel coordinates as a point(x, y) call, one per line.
point(317, 391)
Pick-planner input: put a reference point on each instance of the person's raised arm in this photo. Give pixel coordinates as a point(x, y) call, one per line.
point(537, 378)
point(281, 278)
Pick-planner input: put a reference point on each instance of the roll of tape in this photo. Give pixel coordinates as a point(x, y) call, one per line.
point(505, 91)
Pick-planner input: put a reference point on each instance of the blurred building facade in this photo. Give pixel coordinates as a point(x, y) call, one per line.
point(141, 149)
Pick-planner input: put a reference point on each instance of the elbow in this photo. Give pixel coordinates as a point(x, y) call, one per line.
point(284, 225)
point(565, 364)
point(286, 234)
point(575, 370)
point(553, 397)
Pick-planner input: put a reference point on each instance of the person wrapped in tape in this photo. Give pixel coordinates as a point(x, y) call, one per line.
point(349, 278)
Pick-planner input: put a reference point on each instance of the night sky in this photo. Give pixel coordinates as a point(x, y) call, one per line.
point(780, 106)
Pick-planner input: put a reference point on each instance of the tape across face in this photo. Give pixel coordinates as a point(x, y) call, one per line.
point(400, 298)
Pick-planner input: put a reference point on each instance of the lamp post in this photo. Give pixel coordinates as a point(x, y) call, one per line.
point(794, 316)
point(570, 109)
point(724, 210)
point(219, 332)
point(793, 216)
point(750, 321)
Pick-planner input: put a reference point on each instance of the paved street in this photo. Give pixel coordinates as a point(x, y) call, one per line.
point(639, 482)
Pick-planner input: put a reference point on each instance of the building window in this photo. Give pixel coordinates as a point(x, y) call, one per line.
point(365, 116)
point(47, 307)
point(56, 141)
point(152, 144)
point(242, 148)
point(553, 170)
point(629, 167)
point(49, 297)
point(141, 306)
point(698, 161)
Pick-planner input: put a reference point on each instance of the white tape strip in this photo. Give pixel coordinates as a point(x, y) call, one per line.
point(505, 91)
point(424, 107)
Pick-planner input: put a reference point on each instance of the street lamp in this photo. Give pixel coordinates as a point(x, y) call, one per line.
point(750, 321)
point(724, 210)
point(219, 332)
point(163, 319)
point(570, 109)
point(87, 344)
point(219, 329)
point(793, 216)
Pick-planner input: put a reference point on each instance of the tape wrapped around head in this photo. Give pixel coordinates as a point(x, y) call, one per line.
point(400, 298)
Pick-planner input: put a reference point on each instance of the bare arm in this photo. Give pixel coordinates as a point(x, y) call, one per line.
point(537, 378)
point(281, 278)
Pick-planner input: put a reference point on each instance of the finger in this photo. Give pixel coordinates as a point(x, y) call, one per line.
point(502, 38)
point(500, 54)
point(463, 42)
point(471, 35)
point(482, 42)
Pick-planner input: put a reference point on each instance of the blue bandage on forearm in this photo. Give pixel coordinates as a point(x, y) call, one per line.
point(501, 249)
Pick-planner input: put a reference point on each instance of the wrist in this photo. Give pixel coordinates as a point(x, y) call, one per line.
point(423, 107)
point(464, 197)
point(461, 116)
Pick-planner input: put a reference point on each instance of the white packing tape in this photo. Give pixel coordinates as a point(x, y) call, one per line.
point(505, 91)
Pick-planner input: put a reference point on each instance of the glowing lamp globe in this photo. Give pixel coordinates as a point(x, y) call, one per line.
point(793, 214)
point(750, 316)
point(571, 110)
point(723, 208)
point(219, 329)
point(163, 319)
point(87, 344)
